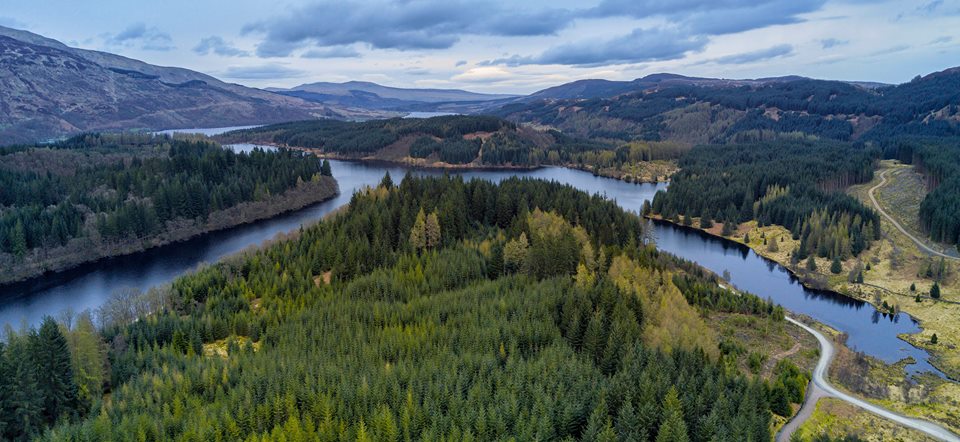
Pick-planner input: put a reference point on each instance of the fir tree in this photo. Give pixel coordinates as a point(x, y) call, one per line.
point(58, 389)
point(836, 266)
point(672, 427)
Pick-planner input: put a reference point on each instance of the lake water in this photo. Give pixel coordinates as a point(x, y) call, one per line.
point(208, 131)
point(87, 287)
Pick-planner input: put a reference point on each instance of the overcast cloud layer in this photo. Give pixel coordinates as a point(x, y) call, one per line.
point(507, 46)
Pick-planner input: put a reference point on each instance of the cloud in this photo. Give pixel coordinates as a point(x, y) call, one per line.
point(139, 35)
point(942, 40)
point(485, 74)
point(262, 72)
point(758, 55)
point(890, 50)
point(417, 71)
point(407, 25)
point(641, 45)
point(11, 22)
point(828, 43)
point(334, 52)
point(461, 63)
point(712, 17)
point(217, 45)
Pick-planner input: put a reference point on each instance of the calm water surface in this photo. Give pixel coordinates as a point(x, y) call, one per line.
point(88, 286)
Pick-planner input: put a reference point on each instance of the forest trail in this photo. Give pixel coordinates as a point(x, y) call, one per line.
point(820, 387)
point(873, 199)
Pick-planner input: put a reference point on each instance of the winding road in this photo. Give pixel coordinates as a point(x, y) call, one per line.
point(820, 387)
point(917, 241)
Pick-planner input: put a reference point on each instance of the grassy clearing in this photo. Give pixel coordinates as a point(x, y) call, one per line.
point(220, 348)
point(639, 172)
point(897, 263)
point(838, 419)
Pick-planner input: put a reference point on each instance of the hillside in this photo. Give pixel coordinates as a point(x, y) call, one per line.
point(378, 325)
point(696, 111)
point(51, 90)
point(441, 141)
point(101, 195)
point(371, 95)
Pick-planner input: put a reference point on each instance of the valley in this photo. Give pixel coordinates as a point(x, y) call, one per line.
point(484, 254)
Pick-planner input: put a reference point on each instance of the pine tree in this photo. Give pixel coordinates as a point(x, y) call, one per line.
point(811, 264)
point(672, 427)
point(386, 182)
point(325, 169)
point(24, 401)
point(432, 231)
point(935, 290)
point(418, 233)
point(836, 266)
point(18, 240)
point(58, 389)
point(934, 339)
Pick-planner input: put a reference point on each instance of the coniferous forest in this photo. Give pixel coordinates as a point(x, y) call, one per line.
point(796, 184)
point(434, 310)
point(104, 192)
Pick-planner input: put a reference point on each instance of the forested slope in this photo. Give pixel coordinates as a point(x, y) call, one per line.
point(795, 184)
point(436, 309)
point(457, 139)
point(100, 195)
point(717, 113)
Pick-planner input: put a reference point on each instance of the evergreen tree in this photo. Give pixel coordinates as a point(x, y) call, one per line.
point(672, 427)
point(934, 339)
point(18, 240)
point(58, 388)
point(935, 290)
point(432, 231)
point(811, 264)
point(325, 169)
point(418, 233)
point(386, 182)
point(836, 266)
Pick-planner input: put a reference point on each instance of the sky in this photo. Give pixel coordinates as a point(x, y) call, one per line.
point(506, 46)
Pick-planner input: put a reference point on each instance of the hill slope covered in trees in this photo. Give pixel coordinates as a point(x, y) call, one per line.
point(436, 309)
point(710, 112)
point(94, 196)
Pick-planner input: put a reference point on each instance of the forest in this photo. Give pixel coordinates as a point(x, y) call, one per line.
point(795, 184)
point(926, 106)
point(456, 139)
point(938, 159)
point(112, 188)
point(435, 309)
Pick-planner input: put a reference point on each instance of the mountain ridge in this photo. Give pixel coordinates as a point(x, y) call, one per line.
point(52, 90)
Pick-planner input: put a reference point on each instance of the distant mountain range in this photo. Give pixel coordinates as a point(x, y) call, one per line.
point(48, 89)
point(668, 107)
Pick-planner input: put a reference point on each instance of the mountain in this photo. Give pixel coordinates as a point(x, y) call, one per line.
point(606, 88)
point(369, 95)
point(669, 107)
point(51, 90)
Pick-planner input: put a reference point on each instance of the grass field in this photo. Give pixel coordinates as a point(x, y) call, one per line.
point(837, 419)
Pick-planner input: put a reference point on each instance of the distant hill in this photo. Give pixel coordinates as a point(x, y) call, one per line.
point(51, 90)
point(374, 96)
point(448, 141)
point(668, 107)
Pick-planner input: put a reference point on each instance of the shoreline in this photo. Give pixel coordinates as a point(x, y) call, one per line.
point(290, 201)
point(420, 163)
point(933, 360)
